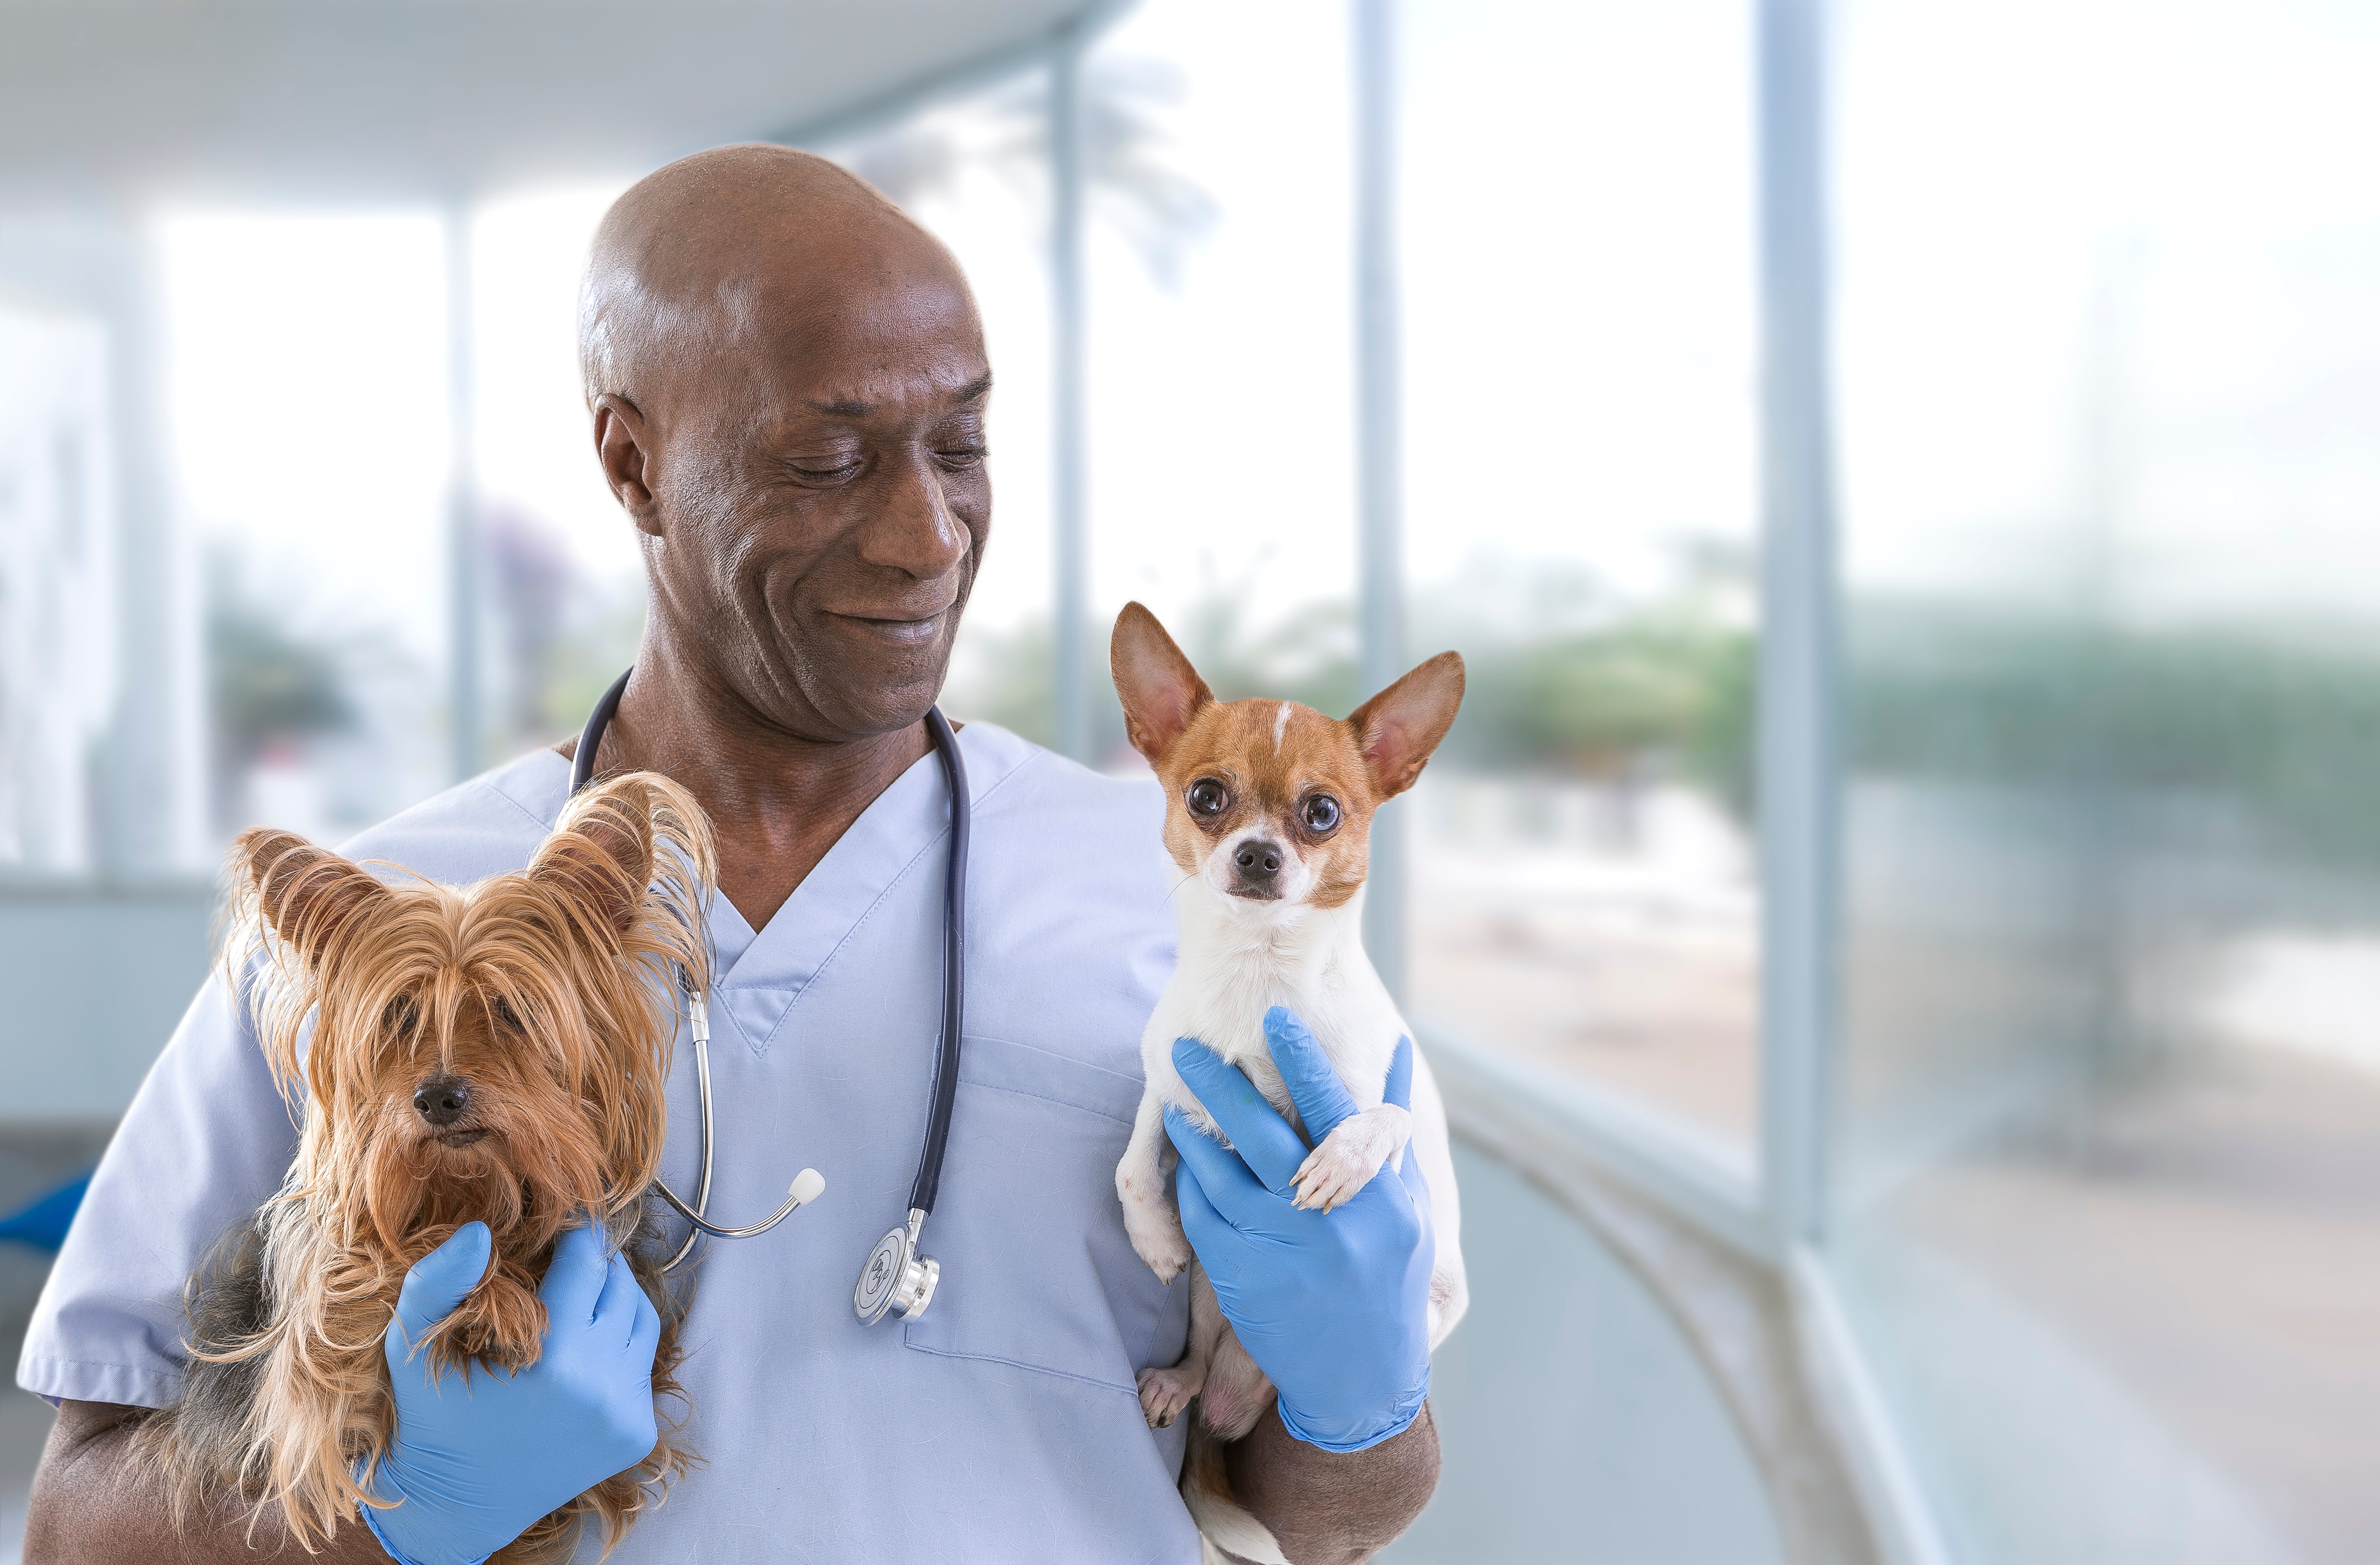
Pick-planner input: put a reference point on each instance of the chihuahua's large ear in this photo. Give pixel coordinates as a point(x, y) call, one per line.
point(1398, 728)
point(308, 896)
point(1160, 690)
point(600, 857)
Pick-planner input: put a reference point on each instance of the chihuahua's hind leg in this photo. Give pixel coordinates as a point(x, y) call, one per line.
point(1165, 1392)
point(1236, 1392)
point(1351, 1155)
point(1144, 1185)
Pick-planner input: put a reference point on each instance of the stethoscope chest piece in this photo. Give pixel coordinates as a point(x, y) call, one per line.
point(894, 1276)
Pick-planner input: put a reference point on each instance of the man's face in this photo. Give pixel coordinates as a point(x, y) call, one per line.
point(820, 498)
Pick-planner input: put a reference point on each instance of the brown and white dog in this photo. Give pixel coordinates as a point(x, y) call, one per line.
point(493, 1053)
point(1268, 813)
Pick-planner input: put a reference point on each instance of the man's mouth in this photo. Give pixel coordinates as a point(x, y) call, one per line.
point(899, 631)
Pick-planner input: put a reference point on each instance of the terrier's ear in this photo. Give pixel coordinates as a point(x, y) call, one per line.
point(601, 856)
point(1160, 690)
point(309, 896)
point(1398, 728)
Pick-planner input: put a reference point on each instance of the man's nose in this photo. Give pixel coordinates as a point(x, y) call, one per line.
point(1258, 863)
point(915, 532)
point(441, 1099)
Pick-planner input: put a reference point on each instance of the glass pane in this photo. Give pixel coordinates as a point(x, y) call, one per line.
point(1221, 433)
point(294, 340)
point(1581, 522)
point(2110, 360)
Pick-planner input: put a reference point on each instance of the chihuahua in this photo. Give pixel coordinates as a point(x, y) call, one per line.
point(1268, 813)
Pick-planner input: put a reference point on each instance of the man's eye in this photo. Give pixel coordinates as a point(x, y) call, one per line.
point(1208, 798)
point(1321, 813)
point(963, 455)
point(828, 469)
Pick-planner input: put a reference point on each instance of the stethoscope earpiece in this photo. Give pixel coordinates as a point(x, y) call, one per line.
point(894, 1277)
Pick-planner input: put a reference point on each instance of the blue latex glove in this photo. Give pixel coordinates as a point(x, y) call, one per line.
point(476, 1460)
point(1334, 1308)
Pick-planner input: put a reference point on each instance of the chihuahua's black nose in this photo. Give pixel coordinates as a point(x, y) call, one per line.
point(1257, 864)
point(441, 1099)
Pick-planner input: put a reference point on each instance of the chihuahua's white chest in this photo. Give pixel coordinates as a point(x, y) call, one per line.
point(1237, 961)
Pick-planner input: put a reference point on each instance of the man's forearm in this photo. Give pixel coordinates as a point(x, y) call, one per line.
point(1332, 1508)
point(87, 1508)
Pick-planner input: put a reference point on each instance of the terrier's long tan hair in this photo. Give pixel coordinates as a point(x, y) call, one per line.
point(549, 997)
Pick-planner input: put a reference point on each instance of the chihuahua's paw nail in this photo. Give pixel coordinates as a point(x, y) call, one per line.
point(1163, 1394)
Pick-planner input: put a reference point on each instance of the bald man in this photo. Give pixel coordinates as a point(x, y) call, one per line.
point(788, 385)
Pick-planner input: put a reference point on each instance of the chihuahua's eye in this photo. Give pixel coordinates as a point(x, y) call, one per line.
point(1322, 812)
point(1208, 798)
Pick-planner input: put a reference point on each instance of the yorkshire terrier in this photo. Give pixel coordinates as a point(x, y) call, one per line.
point(493, 1053)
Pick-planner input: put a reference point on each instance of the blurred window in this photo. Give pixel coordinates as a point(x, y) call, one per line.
point(2109, 1150)
point(57, 589)
point(1580, 523)
point(309, 403)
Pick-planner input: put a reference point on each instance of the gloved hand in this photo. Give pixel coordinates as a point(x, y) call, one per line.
point(1334, 1308)
point(476, 1460)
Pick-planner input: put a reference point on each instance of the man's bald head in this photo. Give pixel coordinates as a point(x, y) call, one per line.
point(787, 384)
point(692, 256)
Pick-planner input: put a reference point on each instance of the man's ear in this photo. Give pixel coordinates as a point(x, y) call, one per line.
point(1160, 690)
point(308, 896)
point(600, 859)
point(620, 446)
point(1398, 728)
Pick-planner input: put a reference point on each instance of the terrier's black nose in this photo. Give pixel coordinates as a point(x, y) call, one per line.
point(1258, 863)
point(441, 1099)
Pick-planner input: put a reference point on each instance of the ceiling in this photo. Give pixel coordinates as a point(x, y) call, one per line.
point(432, 100)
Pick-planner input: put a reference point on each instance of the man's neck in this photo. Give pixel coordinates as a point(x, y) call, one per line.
point(777, 801)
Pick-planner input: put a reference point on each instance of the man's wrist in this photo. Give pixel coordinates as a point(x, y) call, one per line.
point(1390, 1423)
point(372, 1515)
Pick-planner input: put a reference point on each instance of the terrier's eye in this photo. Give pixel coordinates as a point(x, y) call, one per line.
point(506, 1017)
point(399, 1018)
point(1208, 798)
point(1322, 812)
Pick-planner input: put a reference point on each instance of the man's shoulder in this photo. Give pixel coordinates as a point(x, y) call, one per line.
point(486, 826)
point(1031, 789)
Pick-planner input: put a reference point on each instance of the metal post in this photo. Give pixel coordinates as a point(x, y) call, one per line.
point(463, 500)
point(1379, 442)
point(1070, 543)
point(1798, 745)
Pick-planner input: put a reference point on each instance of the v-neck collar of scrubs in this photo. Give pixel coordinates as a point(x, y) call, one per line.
point(759, 975)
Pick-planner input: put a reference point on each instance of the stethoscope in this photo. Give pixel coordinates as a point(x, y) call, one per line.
point(894, 1277)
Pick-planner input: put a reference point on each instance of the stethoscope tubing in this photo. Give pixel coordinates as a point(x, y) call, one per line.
point(946, 1068)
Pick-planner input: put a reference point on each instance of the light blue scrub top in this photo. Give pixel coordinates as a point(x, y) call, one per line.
point(1001, 1426)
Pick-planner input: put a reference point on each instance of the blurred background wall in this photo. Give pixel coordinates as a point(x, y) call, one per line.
point(1899, 912)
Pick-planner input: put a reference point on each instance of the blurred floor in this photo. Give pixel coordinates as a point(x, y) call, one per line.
point(2205, 1237)
point(1576, 1422)
point(33, 1158)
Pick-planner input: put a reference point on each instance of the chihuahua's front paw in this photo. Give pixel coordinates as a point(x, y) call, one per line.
point(1349, 1156)
point(1333, 1172)
point(1156, 1237)
point(1164, 1394)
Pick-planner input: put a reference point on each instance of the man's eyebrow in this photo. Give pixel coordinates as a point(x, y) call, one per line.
point(856, 407)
